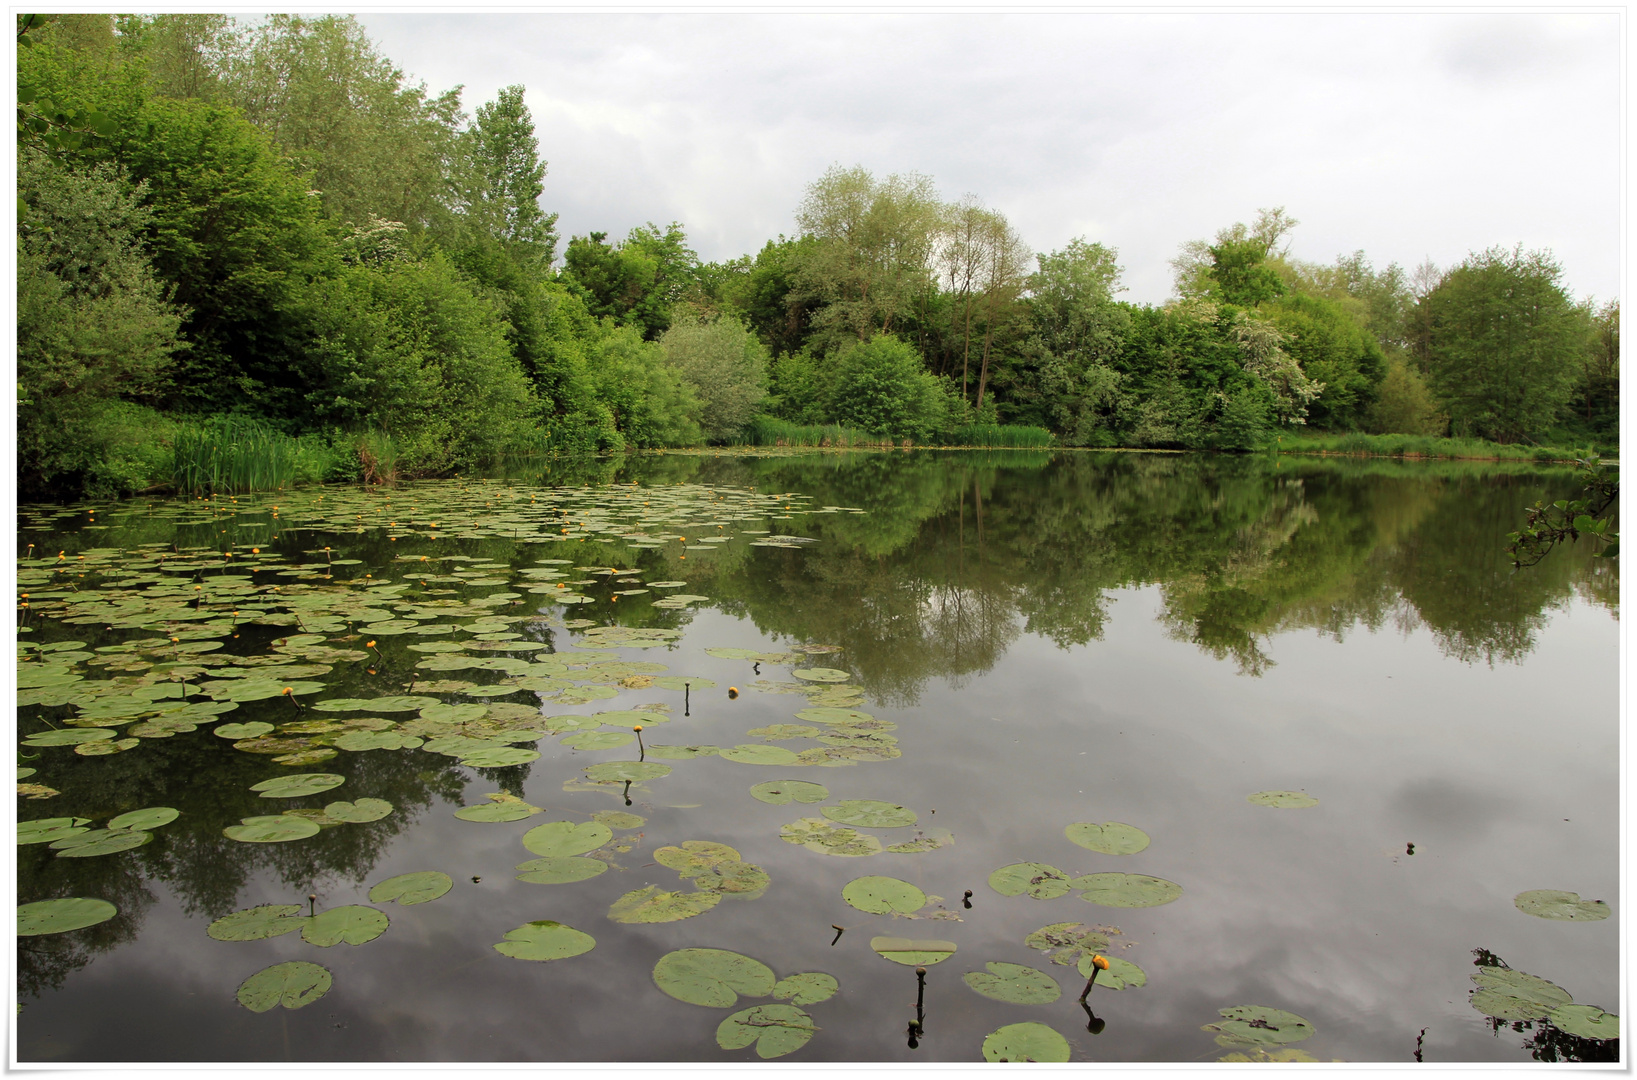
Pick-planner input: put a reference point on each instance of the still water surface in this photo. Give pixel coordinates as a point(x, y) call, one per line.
point(1146, 639)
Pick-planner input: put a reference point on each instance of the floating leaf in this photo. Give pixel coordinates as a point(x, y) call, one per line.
point(682, 753)
point(760, 754)
point(306, 757)
point(358, 741)
point(61, 916)
point(454, 714)
point(694, 856)
point(1126, 890)
point(501, 807)
point(561, 838)
point(292, 984)
point(1025, 1042)
point(599, 740)
point(1118, 975)
point(254, 924)
point(68, 736)
point(150, 818)
point(712, 977)
point(1259, 1025)
point(743, 880)
point(243, 731)
point(354, 924)
point(930, 840)
point(272, 829)
point(732, 654)
point(1554, 904)
point(833, 715)
point(684, 682)
point(358, 812)
point(1283, 800)
point(776, 1030)
point(912, 952)
point(807, 988)
point(827, 838)
point(619, 819)
point(1067, 942)
point(417, 888)
point(1110, 838)
point(1015, 983)
point(870, 814)
point(100, 842)
point(821, 674)
point(617, 771)
point(780, 792)
point(50, 830)
point(498, 757)
point(1515, 995)
point(560, 870)
point(545, 940)
point(297, 785)
point(883, 895)
point(1585, 1021)
point(1037, 879)
point(654, 905)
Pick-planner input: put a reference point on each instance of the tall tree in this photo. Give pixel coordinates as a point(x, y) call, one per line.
point(502, 178)
point(636, 282)
point(1004, 276)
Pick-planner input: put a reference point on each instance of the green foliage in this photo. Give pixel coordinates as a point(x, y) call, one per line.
point(1334, 349)
point(502, 178)
point(1547, 525)
point(235, 454)
point(1240, 274)
point(649, 401)
point(634, 283)
point(725, 366)
point(997, 435)
point(1404, 403)
point(880, 386)
point(771, 431)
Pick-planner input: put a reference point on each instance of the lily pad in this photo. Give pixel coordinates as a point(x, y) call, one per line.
point(254, 924)
point(1585, 1021)
point(68, 736)
point(1283, 800)
point(557, 839)
point(684, 682)
point(1259, 1025)
point(545, 940)
point(1068, 943)
point(150, 818)
point(1110, 838)
point(1515, 995)
point(291, 984)
point(358, 812)
point(827, 838)
point(619, 819)
point(617, 771)
point(732, 654)
point(354, 924)
point(104, 747)
point(1037, 879)
point(655, 905)
point(883, 895)
point(929, 840)
point(682, 753)
point(1554, 904)
point(100, 842)
point(776, 1030)
point(501, 807)
point(243, 731)
point(50, 830)
point(821, 674)
point(499, 757)
point(780, 792)
point(1025, 1042)
point(1126, 890)
point(743, 880)
point(807, 988)
point(834, 715)
point(870, 814)
point(759, 754)
point(417, 888)
point(560, 870)
point(1015, 983)
point(694, 856)
point(297, 785)
point(1118, 975)
point(712, 977)
point(61, 916)
point(599, 740)
point(271, 829)
point(912, 952)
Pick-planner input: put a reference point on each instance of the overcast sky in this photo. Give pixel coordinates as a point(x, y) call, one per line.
point(1410, 136)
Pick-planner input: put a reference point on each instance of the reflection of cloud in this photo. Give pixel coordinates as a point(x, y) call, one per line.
point(1446, 810)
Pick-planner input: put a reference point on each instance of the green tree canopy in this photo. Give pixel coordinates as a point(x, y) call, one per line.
point(881, 386)
point(725, 366)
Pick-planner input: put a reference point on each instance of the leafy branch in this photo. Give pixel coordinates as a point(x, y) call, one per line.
point(1547, 525)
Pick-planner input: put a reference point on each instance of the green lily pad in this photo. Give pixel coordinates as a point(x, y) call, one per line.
point(545, 940)
point(1554, 904)
point(454, 714)
point(1110, 838)
point(100, 842)
point(1585, 1021)
point(499, 757)
point(1025, 1042)
point(396, 703)
point(50, 830)
point(271, 829)
point(560, 870)
point(1515, 995)
point(617, 771)
point(1015, 983)
point(68, 736)
point(1037, 879)
point(830, 714)
point(759, 754)
point(354, 924)
point(599, 740)
point(1259, 1025)
point(929, 840)
point(807, 988)
point(561, 838)
point(1126, 890)
point(870, 814)
point(694, 855)
point(61, 916)
point(253, 730)
point(501, 807)
point(883, 895)
point(912, 952)
point(1067, 943)
point(291, 984)
point(150, 818)
point(417, 888)
point(1283, 800)
point(297, 785)
point(1118, 975)
point(682, 753)
point(655, 905)
point(258, 689)
point(733, 654)
point(254, 924)
point(359, 741)
point(712, 977)
point(358, 812)
point(743, 880)
point(776, 1030)
point(827, 838)
point(780, 792)
point(619, 819)
point(821, 674)
point(684, 682)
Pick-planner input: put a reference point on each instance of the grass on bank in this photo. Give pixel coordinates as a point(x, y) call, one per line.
point(1427, 446)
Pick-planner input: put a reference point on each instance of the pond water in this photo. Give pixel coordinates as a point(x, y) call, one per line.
point(943, 665)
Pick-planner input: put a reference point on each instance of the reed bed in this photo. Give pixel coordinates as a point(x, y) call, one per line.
point(234, 454)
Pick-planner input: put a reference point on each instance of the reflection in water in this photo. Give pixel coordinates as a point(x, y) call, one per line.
point(1546, 1041)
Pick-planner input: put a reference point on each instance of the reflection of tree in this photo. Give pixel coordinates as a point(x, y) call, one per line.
point(1546, 1041)
point(43, 962)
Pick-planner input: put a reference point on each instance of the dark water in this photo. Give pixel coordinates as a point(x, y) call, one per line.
point(1137, 638)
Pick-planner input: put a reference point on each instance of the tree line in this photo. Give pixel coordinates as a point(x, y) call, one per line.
point(270, 220)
